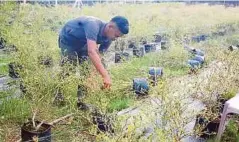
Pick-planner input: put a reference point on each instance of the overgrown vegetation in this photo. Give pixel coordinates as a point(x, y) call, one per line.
point(33, 29)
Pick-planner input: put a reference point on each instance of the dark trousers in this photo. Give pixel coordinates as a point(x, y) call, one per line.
point(72, 57)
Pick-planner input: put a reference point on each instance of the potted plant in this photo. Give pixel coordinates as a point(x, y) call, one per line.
point(39, 131)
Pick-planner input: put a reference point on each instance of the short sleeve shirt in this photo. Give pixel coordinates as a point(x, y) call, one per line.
point(76, 32)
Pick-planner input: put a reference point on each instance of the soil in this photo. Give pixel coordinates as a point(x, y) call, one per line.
point(29, 127)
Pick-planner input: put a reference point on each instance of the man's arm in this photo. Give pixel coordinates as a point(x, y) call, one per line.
point(95, 58)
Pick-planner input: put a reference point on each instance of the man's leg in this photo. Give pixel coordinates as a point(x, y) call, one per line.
point(72, 57)
point(68, 57)
point(67, 54)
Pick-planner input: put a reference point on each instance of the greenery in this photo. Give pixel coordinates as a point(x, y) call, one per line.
point(33, 29)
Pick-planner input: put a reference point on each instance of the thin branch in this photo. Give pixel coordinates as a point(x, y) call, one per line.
point(60, 119)
point(33, 119)
point(39, 125)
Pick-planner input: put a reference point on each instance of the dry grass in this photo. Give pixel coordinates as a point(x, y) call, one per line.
point(176, 20)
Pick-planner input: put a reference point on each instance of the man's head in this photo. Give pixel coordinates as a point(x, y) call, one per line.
point(117, 27)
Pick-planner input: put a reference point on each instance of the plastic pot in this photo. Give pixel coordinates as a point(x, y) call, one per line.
point(222, 102)
point(117, 57)
point(103, 123)
point(2, 43)
point(155, 73)
point(122, 56)
point(150, 47)
point(199, 58)
point(194, 64)
point(199, 38)
point(132, 45)
point(140, 86)
point(209, 127)
point(231, 48)
point(139, 52)
point(29, 134)
point(157, 38)
point(203, 37)
point(163, 44)
point(128, 52)
point(12, 70)
point(127, 55)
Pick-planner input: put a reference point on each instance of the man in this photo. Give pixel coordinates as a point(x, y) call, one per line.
point(79, 38)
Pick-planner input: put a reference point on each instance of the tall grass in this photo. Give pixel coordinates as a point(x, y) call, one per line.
point(34, 32)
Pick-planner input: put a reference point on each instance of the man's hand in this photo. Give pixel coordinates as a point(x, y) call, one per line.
point(107, 82)
point(95, 58)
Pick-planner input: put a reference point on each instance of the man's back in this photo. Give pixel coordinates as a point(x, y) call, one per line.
point(76, 32)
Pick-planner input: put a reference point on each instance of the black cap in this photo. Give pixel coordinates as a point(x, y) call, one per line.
point(122, 23)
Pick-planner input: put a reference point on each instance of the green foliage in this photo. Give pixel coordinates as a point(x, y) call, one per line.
point(118, 104)
point(33, 29)
point(228, 95)
point(3, 69)
point(233, 40)
point(232, 132)
point(14, 110)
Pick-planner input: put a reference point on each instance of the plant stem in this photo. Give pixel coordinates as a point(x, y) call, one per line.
point(33, 119)
point(39, 125)
point(60, 119)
